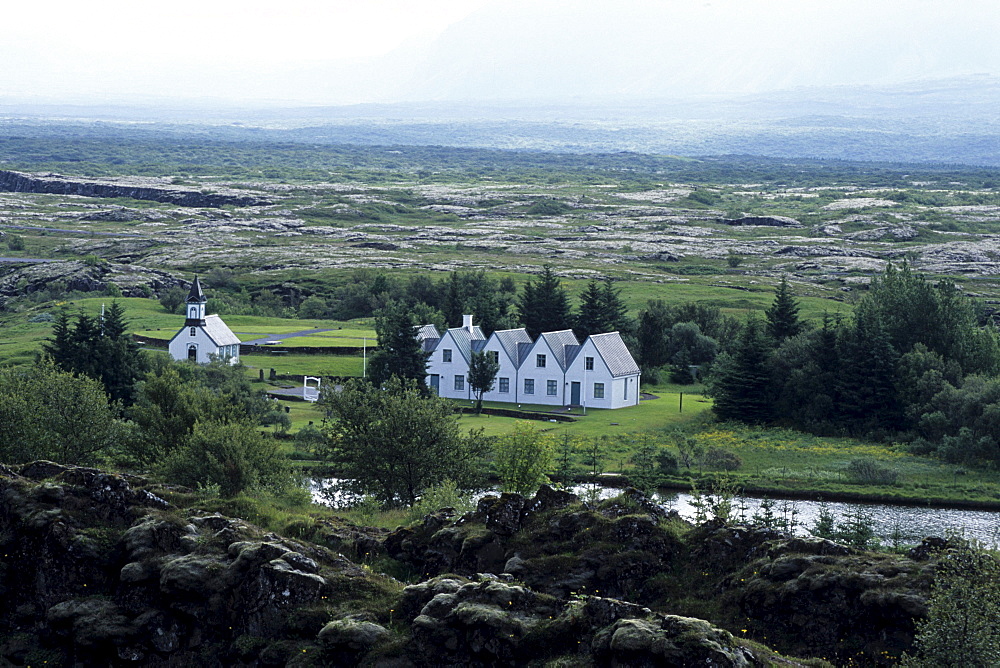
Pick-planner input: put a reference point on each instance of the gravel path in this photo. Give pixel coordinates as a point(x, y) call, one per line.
point(282, 337)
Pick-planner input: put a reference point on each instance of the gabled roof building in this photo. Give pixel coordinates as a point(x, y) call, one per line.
point(203, 336)
point(555, 369)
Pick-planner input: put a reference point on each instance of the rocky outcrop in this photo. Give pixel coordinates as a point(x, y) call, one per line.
point(455, 621)
point(765, 221)
point(153, 190)
point(132, 280)
point(98, 571)
point(98, 568)
point(806, 595)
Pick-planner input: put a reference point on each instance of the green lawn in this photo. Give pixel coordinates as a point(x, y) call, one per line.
point(304, 365)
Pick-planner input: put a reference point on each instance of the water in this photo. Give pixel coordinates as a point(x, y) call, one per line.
point(893, 524)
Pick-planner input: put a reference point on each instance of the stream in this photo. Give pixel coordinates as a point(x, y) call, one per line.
point(893, 524)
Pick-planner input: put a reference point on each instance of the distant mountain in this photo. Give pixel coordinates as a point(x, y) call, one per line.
point(947, 120)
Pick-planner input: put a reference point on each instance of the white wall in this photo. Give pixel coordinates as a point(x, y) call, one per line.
point(448, 370)
point(541, 376)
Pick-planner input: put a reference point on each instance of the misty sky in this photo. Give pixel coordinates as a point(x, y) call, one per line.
point(343, 52)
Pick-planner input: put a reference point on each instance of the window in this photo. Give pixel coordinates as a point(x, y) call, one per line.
point(588, 363)
point(529, 385)
point(626, 388)
point(550, 388)
point(446, 355)
point(460, 383)
point(193, 331)
point(540, 360)
point(504, 385)
point(598, 390)
point(494, 356)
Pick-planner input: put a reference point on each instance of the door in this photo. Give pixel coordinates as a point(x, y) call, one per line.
point(192, 353)
point(574, 393)
point(435, 382)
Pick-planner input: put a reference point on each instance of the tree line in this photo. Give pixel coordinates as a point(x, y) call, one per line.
point(915, 362)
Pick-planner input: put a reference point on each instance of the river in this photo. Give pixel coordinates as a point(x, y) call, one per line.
point(892, 524)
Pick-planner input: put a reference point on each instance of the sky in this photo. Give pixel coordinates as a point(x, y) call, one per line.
point(332, 52)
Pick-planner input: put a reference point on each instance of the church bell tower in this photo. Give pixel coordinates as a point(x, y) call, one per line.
point(195, 305)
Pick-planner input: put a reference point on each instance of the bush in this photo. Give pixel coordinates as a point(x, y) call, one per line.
point(523, 458)
point(233, 456)
point(445, 495)
point(666, 463)
point(15, 243)
point(721, 459)
point(868, 471)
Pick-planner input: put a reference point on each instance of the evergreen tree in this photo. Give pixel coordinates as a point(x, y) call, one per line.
point(483, 370)
point(866, 382)
point(100, 348)
point(783, 314)
point(740, 383)
point(399, 352)
point(544, 307)
point(590, 317)
point(614, 315)
point(653, 348)
point(121, 362)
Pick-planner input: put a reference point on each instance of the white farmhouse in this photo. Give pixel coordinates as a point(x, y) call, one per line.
point(450, 356)
point(554, 370)
point(203, 335)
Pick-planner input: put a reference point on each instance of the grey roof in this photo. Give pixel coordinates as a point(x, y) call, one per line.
point(615, 354)
point(571, 353)
point(430, 343)
point(463, 340)
point(219, 332)
point(195, 295)
point(478, 345)
point(558, 341)
point(523, 349)
point(509, 340)
point(425, 332)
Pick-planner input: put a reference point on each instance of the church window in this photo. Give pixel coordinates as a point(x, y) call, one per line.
point(193, 331)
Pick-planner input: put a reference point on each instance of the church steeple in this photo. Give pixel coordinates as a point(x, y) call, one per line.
point(195, 305)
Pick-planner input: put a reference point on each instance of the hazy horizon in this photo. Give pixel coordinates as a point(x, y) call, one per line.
point(481, 51)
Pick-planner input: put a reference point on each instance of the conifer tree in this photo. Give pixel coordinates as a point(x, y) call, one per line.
point(544, 306)
point(783, 314)
point(740, 384)
point(614, 315)
point(399, 352)
point(590, 318)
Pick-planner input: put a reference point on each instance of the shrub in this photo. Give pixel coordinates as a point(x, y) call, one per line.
point(445, 495)
point(15, 243)
point(666, 463)
point(722, 459)
point(869, 471)
point(234, 456)
point(523, 458)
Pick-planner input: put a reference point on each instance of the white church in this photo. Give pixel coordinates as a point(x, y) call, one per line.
point(555, 369)
point(203, 335)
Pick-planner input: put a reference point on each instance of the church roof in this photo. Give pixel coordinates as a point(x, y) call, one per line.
point(219, 331)
point(196, 295)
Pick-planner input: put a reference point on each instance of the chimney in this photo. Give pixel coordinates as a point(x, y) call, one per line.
point(467, 323)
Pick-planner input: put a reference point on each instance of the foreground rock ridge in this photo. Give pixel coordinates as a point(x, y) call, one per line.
point(101, 569)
